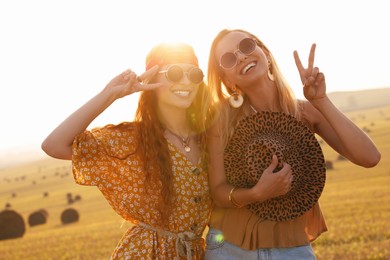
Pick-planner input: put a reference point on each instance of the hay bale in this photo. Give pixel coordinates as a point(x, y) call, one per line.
point(70, 201)
point(38, 218)
point(11, 225)
point(69, 216)
point(77, 198)
point(70, 198)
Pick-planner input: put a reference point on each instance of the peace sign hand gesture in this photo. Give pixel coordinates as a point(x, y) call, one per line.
point(314, 86)
point(128, 82)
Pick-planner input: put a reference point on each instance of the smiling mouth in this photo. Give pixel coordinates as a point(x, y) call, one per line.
point(182, 93)
point(248, 67)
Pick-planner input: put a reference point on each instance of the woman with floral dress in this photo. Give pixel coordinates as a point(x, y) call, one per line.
point(152, 171)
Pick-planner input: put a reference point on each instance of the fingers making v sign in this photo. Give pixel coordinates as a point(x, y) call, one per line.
point(314, 86)
point(128, 82)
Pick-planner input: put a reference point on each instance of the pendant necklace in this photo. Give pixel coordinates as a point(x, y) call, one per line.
point(184, 141)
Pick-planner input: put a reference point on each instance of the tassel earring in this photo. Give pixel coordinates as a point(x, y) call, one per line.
point(269, 72)
point(235, 99)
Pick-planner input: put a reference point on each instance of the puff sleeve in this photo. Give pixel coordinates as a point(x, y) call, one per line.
point(96, 152)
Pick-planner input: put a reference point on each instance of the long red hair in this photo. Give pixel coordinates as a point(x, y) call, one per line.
point(154, 146)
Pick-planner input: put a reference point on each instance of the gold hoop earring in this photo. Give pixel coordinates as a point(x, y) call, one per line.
point(269, 72)
point(235, 99)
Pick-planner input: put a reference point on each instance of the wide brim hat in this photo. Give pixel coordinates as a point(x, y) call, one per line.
point(249, 152)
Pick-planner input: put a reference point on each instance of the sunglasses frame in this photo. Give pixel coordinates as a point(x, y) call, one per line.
point(187, 73)
point(235, 51)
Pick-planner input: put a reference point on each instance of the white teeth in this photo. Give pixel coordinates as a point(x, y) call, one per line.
point(182, 93)
point(247, 67)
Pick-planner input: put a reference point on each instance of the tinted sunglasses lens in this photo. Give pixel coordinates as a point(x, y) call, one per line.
point(174, 73)
point(228, 60)
point(247, 46)
point(195, 75)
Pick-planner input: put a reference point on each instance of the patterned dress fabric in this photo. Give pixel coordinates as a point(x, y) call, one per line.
point(108, 158)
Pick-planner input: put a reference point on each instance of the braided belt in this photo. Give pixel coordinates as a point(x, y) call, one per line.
point(183, 239)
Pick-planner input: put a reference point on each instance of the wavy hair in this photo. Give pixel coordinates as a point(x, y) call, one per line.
point(154, 146)
point(228, 116)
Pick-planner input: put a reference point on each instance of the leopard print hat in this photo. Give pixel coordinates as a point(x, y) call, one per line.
point(249, 152)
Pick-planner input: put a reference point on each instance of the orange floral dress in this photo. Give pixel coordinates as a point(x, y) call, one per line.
point(108, 158)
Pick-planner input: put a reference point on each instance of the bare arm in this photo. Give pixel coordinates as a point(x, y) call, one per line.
point(329, 122)
point(58, 143)
point(342, 134)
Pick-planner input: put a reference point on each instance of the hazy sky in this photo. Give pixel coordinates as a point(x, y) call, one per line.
point(56, 55)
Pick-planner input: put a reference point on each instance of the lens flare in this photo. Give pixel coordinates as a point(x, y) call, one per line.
point(219, 238)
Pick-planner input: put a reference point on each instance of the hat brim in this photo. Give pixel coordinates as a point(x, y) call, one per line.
point(249, 152)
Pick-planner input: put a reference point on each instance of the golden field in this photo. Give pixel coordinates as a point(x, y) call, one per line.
point(355, 202)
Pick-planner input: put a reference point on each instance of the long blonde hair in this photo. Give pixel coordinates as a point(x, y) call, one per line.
point(228, 116)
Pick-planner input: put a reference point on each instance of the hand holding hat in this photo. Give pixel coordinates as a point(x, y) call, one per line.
point(249, 152)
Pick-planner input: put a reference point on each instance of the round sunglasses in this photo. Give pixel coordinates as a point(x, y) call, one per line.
point(175, 73)
point(245, 46)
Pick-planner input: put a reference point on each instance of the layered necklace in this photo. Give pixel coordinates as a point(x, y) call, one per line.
point(184, 141)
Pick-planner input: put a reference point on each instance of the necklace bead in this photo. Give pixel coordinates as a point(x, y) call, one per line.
point(184, 141)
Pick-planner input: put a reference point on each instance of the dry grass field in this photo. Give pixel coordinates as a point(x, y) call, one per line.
point(355, 202)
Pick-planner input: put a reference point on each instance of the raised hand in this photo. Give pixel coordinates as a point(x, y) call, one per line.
point(128, 82)
point(314, 86)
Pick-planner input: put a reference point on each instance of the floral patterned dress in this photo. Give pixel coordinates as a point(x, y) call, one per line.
point(108, 158)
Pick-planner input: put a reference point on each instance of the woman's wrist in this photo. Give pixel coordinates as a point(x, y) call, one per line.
point(109, 95)
point(233, 200)
point(320, 102)
point(257, 195)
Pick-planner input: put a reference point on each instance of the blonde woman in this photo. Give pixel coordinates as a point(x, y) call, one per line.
point(242, 66)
